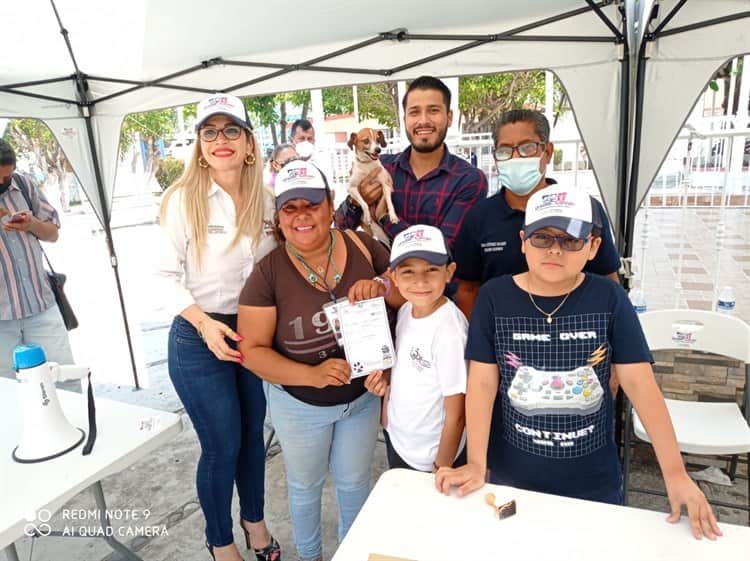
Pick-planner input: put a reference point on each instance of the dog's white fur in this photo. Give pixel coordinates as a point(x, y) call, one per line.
point(366, 145)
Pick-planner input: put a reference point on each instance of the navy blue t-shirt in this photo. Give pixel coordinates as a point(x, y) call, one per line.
point(555, 433)
point(488, 244)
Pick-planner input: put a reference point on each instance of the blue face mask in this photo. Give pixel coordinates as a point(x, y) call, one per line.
point(520, 175)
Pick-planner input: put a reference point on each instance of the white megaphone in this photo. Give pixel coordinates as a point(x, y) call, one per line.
point(47, 433)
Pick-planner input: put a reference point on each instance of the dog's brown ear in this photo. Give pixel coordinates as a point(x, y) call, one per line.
point(381, 139)
point(352, 140)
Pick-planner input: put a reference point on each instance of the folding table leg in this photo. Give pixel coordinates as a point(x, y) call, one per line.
point(10, 552)
point(119, 547)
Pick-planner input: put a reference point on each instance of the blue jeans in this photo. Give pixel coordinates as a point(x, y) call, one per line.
point(313, 439)
point(226, 404)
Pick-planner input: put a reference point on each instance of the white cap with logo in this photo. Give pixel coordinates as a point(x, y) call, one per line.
point(564, 208)
point(424, 242)
point(223, 104)
point(300, 180)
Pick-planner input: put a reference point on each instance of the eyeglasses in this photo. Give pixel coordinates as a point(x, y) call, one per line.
point(504, 152)
point(231, 132)
point(545, 241)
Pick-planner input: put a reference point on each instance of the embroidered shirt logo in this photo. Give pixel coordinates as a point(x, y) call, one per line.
point(216, 229)
point(417, 360)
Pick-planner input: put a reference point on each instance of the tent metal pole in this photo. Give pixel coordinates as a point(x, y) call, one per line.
point(676, 8)
point(108, 232)
point(631, 199)
point(39, 96)
point(598, 11)
point(701, 25)
point(38, 82)
point(622, 179)
point(290, 68)
point(85, 108)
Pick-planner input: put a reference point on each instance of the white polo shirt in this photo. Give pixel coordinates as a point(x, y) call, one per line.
point(214, 286)
point(429, 366)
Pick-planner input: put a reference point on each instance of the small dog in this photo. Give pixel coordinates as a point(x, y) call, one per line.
point(367, 145)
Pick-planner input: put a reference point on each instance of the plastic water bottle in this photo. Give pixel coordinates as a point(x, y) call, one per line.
point(725, 303)
point(638, 299)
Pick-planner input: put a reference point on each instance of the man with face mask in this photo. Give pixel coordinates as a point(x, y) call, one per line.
point(488, 244)
point(430, 185)
point(28, 312)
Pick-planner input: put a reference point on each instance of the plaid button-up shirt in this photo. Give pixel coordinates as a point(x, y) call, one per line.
point(24, 289)
point(440, 198)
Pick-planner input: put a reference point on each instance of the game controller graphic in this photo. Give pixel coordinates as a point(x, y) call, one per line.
point(573, 392)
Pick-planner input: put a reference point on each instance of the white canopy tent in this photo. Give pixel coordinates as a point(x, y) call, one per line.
point(114, 58)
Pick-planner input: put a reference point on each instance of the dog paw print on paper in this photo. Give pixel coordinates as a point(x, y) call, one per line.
point(358, 367)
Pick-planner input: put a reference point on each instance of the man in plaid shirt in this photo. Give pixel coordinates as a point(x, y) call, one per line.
point(430, 185)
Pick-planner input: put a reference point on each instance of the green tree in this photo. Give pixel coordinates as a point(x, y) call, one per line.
point(150, 126)
point(483, 98)
point(31, 136)
point(262, 109)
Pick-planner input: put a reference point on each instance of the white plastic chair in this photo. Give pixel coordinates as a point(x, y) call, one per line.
point(702, 428)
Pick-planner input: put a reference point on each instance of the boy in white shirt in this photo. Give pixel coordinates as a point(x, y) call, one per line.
point(425, 410)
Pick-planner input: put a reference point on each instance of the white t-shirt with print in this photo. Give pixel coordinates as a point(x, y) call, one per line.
point(430, 365)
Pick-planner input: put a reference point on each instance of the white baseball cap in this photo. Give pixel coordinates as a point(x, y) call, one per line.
point(223, 104)
point(299, 179)
point(424, 242)
point(564, 208)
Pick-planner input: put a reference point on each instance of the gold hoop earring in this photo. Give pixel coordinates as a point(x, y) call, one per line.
point(202, 162)
point(250, 159)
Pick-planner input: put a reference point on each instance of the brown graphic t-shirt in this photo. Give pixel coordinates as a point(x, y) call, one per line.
point(302, 331)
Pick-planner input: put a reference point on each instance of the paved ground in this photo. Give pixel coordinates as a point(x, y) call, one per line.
point(164, 482)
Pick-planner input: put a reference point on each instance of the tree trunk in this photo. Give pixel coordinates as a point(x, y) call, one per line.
point(305, 109)
point(274, 136)
point(282, 120)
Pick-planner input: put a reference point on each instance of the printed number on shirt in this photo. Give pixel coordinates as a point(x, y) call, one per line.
point(319, 321)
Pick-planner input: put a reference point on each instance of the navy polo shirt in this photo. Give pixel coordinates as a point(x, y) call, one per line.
point(488, 244)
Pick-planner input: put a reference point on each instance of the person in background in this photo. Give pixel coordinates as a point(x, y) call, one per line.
point(28, 312)
point(281, 155)
point(217, 225)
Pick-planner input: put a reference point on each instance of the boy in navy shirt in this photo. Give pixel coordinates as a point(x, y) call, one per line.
point(545, 340)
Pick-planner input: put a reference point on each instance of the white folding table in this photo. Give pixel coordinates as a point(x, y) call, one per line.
point(406, 517)
point(28, 488)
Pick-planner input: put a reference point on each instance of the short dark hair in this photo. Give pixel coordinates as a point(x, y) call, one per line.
point(304, 124)
point(536, 118)
point(429, 83)
point(7, 154)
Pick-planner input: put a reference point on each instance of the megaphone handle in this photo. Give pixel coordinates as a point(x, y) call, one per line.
point(92, 418)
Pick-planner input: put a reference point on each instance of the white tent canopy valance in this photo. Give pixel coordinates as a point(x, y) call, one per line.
point(82, 65)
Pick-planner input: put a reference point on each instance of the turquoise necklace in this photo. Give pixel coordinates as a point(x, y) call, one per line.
point(319, 277)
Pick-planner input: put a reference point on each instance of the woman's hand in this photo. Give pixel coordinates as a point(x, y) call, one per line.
point(467, 478)
point(214, 332)
point(330, 372)
point(365, 289)
point(376, 383)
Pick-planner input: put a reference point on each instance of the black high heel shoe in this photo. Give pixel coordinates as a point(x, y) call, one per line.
point(210, 549)
point(272, 552)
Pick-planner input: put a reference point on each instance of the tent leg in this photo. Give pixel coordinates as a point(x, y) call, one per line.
point(116, 271)
point(83, 87)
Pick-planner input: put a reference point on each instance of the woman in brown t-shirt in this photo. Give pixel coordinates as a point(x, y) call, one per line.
point(320, 416)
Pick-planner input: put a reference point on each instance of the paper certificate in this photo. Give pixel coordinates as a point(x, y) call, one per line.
point(366, 336)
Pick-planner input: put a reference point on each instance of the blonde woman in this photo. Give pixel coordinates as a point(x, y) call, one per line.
point(217, 221)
